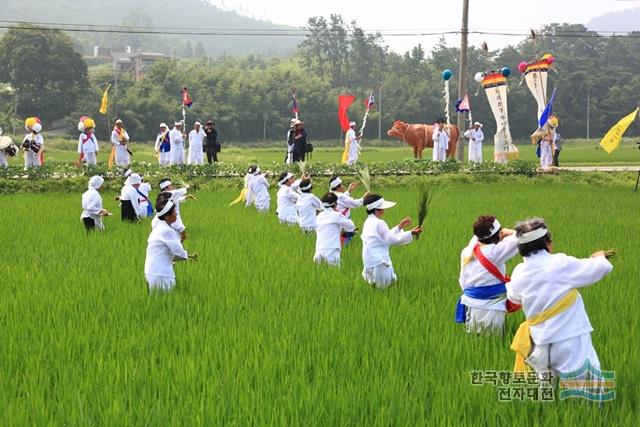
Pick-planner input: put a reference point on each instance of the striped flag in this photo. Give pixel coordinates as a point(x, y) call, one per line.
point(370, 101)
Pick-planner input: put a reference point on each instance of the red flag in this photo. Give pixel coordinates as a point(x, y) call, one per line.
point(344, 102)
point(186, 99)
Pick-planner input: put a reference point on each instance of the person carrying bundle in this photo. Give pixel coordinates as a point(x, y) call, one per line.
point(483, 269)
point(163, 145)
point(120, 141)
point(33, 143)
point(376, 240)
point(556, 335)
point(330, 225)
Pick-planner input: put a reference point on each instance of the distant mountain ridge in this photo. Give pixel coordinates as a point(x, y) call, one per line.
point(195, 14)
point(622, 21)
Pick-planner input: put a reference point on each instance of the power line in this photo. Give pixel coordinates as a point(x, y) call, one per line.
point(236, 32)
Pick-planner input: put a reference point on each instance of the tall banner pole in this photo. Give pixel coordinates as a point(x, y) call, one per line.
point(462, 74)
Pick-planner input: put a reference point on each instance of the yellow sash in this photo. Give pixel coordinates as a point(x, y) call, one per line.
point(522, 340)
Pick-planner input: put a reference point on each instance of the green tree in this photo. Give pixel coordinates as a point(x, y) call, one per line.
point(43, 68)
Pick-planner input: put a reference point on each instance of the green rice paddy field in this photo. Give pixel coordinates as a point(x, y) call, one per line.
point(256, 333)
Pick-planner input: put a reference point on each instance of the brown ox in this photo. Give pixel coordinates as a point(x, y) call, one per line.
point(420, 137)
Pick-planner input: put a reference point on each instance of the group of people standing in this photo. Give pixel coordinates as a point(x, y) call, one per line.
point(329, 218)
point(170, 144)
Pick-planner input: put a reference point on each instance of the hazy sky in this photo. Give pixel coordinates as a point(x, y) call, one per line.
point(429, 15)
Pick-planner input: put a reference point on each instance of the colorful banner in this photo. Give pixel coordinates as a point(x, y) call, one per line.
point(536, 75)
point(612, 139)
point(105, 100)
point(495, 86)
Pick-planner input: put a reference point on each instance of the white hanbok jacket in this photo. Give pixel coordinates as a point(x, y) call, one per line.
point(286, 199)
point(163, 247)
point(376, 240)
point(542, 279)
point(249, 199)
point(308, 206)
point(473, 274)
point(91, 207)
point(330, 225)
point(129, 193)
point(259, 187)
point(346, 203)
point(177, 147)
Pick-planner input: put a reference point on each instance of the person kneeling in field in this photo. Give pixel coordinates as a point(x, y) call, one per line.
point(259, 190)
point(163, 248)
point(376, 239)
point(546, 285)
point(93, 211)
point(483, 303)
point(308, 206)
point(287, 198)
point(330, 224)
point(177, 197)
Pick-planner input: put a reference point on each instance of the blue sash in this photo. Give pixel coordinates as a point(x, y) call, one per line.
point(149, 207)
point(165, 145)
point(482, 292)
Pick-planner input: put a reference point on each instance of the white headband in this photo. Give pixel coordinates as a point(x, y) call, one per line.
point(494, 229)
point(166, 209)
point(287, 177)
point(306, 187)
point(532, 235)
point(335, 183)
point(128, 172)
point(376, 204)
point(257, 171)
point(165, 184)
point(327, 205)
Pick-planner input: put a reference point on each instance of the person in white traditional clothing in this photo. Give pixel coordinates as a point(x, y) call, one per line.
point(287, 197)
point(176, 137)
point(483, 274)
point(330, 226)
point(163, 145)
point(33, 143)
point(130, 196)
point(345, 202)
point(440, 141)
point(163, 249)
point(92, 210)
point(354, 144)
point(120, 141)
point(476, 136)
point(196, 145)
point(249, 197)
point(546, 284)
point(87, 142)
point(259, 187)
point(178, 196)
point(376, 239)
point(308, 206)
point(546, 150)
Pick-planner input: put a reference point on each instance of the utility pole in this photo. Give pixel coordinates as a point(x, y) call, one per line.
point(462, 76)
point(380, 113)
point(588, 109)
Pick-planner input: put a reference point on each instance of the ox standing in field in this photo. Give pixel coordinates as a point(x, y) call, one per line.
point(420, 137)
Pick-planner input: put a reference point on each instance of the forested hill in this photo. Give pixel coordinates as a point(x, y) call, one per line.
point(161, 14)
point(625, 20)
